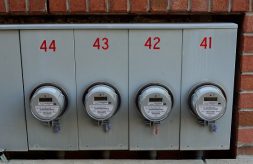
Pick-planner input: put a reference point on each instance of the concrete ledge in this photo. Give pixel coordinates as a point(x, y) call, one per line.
point(106, 162)
point(208, 161)
point(230, 161)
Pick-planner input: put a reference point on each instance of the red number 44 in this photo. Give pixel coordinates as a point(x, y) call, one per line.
point(206, 43)
point(45, 47)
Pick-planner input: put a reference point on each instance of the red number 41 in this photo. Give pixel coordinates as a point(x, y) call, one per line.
point(206, 42)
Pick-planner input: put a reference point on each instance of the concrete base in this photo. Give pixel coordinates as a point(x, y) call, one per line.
point(105, 162)
point(209, 161)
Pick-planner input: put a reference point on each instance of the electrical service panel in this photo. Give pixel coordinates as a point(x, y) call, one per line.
point(154, 89)
point(208, 64)
point(13, 136)
point(117, 86)
point(102, 89)
point(50, 89)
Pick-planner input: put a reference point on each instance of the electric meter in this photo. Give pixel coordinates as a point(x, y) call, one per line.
point(154, 102)
point(48, 103)
point(101, 101)
point(208, 102)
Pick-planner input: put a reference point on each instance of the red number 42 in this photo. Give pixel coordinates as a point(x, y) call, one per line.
point(153, 43)
point(45, 47)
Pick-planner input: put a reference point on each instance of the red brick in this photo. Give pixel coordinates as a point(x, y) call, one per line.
point(219, 5)
point(97, 6)
point(248, 43)
point(159, 5)
point(248, 23)
point(246, 118)
point(245, 136)
point(179, 5)
point(38, 6)
point(139, 6)
point(17, 6)
point(57, 6)
point(2, 6)
point(247, 63)
point(246, 100)
point(240, 5)
point(77, 6)
point(247, 150)
point(118, 5)
point(199, 5)
point(246, 82)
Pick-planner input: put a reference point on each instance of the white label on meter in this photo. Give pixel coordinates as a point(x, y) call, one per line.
point(155, 111)
point(210, 110)
point(47, 110)
point(101, 110)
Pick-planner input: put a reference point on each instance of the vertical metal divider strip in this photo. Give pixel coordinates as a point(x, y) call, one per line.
point(23, 84)
point(77, 116)
point(128, 103)
point(180, 112)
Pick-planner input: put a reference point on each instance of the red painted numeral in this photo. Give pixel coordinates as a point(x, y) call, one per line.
point(43, 45)
point(101, 43)
point(206, 42)
point(148, 43)
point(153, 43)
point(96, 44)
point(157, 39)
point(106, 43)
point(52, 46)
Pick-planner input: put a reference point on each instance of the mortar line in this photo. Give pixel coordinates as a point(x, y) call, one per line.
point(87, 6)
point(107, 5)
point(27, 6)
point(189, 5)
point(6, 4)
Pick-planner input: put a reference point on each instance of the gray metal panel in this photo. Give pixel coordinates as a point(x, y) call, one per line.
point(13, 135)
point(50, 67)
point(122, 26)
point(148, 66)
point(111, 66)
point(207, 65)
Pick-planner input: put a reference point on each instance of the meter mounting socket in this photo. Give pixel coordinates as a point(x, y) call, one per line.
point(101, 101)
point(154, 102)
point(48, 103)
point(208, 102)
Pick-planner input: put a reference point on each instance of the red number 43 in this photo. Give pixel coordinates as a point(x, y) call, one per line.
point(101, 43)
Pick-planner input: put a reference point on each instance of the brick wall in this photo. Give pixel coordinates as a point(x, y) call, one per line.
point(201, 7)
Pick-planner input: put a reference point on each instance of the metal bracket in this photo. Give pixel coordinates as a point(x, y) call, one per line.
point(106, 125)
point(56, 126)
point(155, 126)
point(2, 156)
point(212, 126)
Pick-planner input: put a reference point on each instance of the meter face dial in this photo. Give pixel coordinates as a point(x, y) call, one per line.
point(208, 102)
point(101, 102)
point(47, 103)
point(155, 103)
